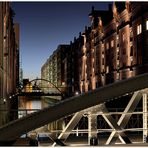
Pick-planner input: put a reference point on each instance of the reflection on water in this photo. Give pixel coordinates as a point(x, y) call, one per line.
point(29, 106)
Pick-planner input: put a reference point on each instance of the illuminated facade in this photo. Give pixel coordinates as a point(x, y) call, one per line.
point(9, 61)
point(115, 46)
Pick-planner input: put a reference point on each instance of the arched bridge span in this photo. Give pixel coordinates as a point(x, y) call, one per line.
point(40, 87)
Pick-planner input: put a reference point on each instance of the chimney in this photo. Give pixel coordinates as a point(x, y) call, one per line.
point(79, 34)
point(85, 28)
point(74, 39)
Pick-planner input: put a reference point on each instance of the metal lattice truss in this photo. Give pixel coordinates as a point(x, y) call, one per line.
point(116, 126)
point(61, 109)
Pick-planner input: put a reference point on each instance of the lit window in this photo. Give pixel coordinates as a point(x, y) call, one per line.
point(147, 25)
point(123, 37)
point(118, 76)
point(112, 43)
point(107, 69)
point(107, 45)
point(139, 29)
point(117, 62)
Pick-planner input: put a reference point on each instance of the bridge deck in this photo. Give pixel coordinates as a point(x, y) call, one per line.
point(74, 104)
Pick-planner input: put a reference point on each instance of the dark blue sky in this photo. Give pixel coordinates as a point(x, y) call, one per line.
point(45, 25)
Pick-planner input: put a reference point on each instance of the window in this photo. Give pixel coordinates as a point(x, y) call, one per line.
point(123, 36)
point(139, 29)
point(102, 61)
point(107, 45)
point(102, 46)
point(147, 25)
point(107, 69)
point(117, 49)
point(112, 43)
point(117, 37)
point(118, 76)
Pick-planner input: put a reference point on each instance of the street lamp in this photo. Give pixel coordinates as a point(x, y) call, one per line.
point(3, 101)
point(76, 93)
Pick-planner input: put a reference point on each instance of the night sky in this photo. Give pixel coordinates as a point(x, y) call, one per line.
point(45, 25)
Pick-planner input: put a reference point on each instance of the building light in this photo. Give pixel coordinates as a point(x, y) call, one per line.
point(112, 43)
point(63, 83)
point(117, 37)
point(4, 100)
point(118, 63)
point(76, 93)
point(131, 59)
point(107, 45)
point(146, 24)
point(118, 76)
point(123, 37)
point(139, 29)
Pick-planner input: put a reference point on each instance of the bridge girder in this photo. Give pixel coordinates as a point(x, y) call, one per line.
point(69, 106)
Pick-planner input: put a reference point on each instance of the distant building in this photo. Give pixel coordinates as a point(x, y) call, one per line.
point(9, 63)
point(53, 68)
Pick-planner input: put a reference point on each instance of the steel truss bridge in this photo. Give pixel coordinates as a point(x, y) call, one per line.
point(91, 103)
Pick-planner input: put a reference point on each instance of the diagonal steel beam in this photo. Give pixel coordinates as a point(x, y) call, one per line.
point(145, 117)
point(74, 121)
point(70, 126)
point(123, 120)
point(113, 124)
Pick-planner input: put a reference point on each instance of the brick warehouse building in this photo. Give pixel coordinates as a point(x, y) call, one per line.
point(9, 62)
point(113, 48)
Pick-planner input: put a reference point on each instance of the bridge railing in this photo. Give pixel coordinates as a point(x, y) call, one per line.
point(14, 114)
point(42, 89)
